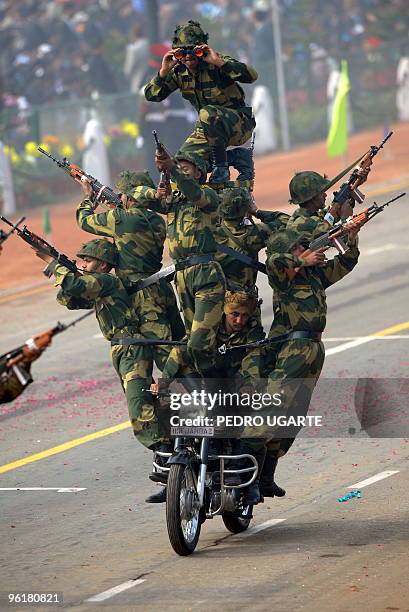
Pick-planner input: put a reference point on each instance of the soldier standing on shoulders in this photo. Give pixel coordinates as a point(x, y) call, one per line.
point(208, 80)
point(191, 210)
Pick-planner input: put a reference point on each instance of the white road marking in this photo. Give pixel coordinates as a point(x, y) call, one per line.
point(115, 590)
point(260, 527)
point(97, 336)
point(372, 479)
point(358, 485)
point(58, 489)
point(349, 345)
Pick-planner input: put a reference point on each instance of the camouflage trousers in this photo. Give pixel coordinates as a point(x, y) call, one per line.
point(218, 125)
point(293, 369)
point(201, 291)
point(296, 368)
point(159, 318)
point(134, 365)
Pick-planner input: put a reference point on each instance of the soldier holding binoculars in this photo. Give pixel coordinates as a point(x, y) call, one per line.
point(209, 81)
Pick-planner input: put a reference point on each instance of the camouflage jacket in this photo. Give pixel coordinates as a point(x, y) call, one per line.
point(247, 363)
point(210, 85)
point(138, 234)
point(307, 223)
point(249, 239)
point(102, 291)
point(190, 227)
point(300, 304)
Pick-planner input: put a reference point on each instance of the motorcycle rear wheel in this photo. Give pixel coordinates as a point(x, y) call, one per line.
point(237, 524)
point(182, 510)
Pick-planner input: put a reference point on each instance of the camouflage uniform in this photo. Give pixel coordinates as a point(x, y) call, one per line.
point(224, 119)
point(117, 319)
point(139, 236)
point(299, 305)
point(200, 286)
point(10, 386)
point(247, 364)
point(238, 233)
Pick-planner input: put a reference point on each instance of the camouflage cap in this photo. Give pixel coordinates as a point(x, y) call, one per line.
point(196, 160)
point(306, 185)
point(128, 180)
point(189, 34)
point(100, 249)
point(237, 295)
point(235, 202)
point(285, 240)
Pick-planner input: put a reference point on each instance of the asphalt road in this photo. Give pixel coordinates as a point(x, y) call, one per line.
point(322, 555)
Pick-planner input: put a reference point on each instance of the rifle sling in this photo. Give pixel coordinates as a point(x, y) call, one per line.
point(180, 264)
point(252, 263)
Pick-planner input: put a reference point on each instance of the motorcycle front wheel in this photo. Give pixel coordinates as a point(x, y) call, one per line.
point(182, 509)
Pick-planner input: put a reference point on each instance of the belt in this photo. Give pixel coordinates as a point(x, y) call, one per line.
point(145, 342)
point(295, 335)
point(180, 264)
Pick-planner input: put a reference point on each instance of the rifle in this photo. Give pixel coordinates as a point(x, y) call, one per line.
point(349, 190)
point(332, 237)
point(99, 190)
point(42, 246)
point(4, 235)
point(164, 181)
point(30, 350)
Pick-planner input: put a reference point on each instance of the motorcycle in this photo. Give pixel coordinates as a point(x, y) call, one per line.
point(197, 489)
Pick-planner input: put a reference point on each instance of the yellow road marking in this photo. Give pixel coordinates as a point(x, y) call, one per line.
point(63, 447)
point(388, 189)
point(388, 331)
point(23, 294)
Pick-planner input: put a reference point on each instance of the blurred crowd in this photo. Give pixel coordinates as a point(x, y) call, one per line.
point(53, 50)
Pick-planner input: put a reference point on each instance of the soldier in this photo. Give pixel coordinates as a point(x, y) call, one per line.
point(308, 190)
point(139, 236)
point(104, 292)
point(191, 211)
point(238, 232)
point(295, 359)
point(208, 80)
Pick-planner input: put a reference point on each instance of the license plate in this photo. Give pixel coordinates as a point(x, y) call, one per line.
point(197, 432)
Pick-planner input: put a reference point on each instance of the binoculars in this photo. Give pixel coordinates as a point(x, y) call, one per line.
point(180, 54)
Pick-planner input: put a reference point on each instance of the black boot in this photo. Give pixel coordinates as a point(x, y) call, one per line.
point(268, 487)
point(220, 172)
point(157, 475)
point(252, 494)
point(157, 498)
point(241, 159)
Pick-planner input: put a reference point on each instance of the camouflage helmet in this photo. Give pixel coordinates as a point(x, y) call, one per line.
point(189, 34)
point(128, 180)
point(306, 185)
point(237, 295)
point(285, 240)
point(235, 203)
point(100, 249)
point(196, 160)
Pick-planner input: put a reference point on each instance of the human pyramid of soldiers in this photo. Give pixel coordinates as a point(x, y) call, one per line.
point(214, 241)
